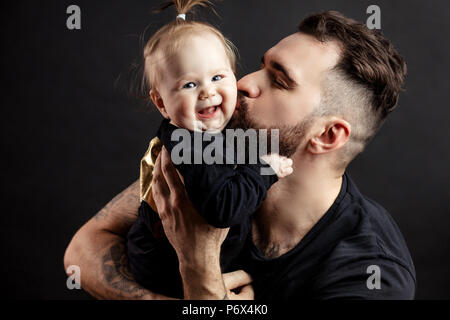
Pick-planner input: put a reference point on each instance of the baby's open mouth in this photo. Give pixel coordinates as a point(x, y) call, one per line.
point(208, 112)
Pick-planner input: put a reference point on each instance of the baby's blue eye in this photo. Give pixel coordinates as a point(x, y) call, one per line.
point(189, 85)
point(217, 78)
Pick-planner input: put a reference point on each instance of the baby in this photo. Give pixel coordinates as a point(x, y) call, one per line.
point(190, 70)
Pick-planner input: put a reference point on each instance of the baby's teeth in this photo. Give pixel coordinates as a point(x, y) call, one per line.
point(208, 110)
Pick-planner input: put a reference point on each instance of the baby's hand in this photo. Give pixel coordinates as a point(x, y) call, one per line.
point(281, 165)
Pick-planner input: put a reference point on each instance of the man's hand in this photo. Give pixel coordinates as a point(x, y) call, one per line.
point(238, 285)
point(196, 243)
point(280, 164)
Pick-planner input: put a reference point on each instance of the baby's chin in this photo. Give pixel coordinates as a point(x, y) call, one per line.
point(214, 125)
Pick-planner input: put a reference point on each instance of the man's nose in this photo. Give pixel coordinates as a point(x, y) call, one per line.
point(207, 92)
point(248, 86)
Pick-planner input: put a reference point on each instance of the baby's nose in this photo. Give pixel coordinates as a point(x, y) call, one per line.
point(207, 93)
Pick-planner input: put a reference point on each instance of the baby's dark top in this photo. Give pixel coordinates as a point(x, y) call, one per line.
point(225, 193)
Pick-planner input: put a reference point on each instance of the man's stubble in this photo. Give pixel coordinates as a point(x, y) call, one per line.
point(290, 137)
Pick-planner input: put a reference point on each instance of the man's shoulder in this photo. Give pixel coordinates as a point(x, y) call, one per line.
point(373, 225)
point(369, 236)
point(366, 244)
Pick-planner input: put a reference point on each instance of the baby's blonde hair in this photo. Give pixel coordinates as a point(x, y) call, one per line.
point(167, 40)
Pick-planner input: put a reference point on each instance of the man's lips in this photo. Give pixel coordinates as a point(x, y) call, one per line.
point(208, 112)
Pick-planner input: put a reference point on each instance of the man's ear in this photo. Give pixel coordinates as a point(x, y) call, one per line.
point(158, 102)
point(333, 134)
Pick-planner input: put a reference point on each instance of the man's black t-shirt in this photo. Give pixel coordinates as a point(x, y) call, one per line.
point(355, 244)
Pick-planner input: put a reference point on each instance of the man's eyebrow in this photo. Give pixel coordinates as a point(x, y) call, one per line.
point(278, 66)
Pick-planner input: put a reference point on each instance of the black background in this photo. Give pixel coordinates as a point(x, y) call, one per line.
point(72, 138)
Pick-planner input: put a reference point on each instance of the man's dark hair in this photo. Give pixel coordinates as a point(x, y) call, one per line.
point(365, 84)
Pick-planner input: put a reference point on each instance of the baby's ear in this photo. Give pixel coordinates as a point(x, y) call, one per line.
point(158, 102)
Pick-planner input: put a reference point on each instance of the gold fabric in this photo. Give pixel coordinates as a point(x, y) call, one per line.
point(146, 175)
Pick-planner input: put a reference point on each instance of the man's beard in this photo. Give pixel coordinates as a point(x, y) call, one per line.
point(290, 137)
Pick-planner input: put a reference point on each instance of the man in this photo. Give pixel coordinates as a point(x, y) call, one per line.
point(327, 88)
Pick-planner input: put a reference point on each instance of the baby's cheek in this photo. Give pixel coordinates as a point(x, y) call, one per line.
point(189, 116)
point(233, 87)
point(185, 111)
point(230, 94)
point(234, 94)
point(232, 97)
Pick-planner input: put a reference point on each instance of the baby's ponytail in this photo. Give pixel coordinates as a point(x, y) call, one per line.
point(185, 6)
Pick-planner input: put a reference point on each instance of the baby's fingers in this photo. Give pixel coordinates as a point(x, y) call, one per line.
point(285, 172)
point(286, 162)
point(285, 167)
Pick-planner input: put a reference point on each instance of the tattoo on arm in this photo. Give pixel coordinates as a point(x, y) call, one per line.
point(128, 199)
point(102, 214)
point(117, 274)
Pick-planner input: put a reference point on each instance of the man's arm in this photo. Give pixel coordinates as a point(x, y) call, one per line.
point(98, 248)
point(196, 243)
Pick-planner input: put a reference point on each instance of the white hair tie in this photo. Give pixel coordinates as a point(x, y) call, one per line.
point(181, 16)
